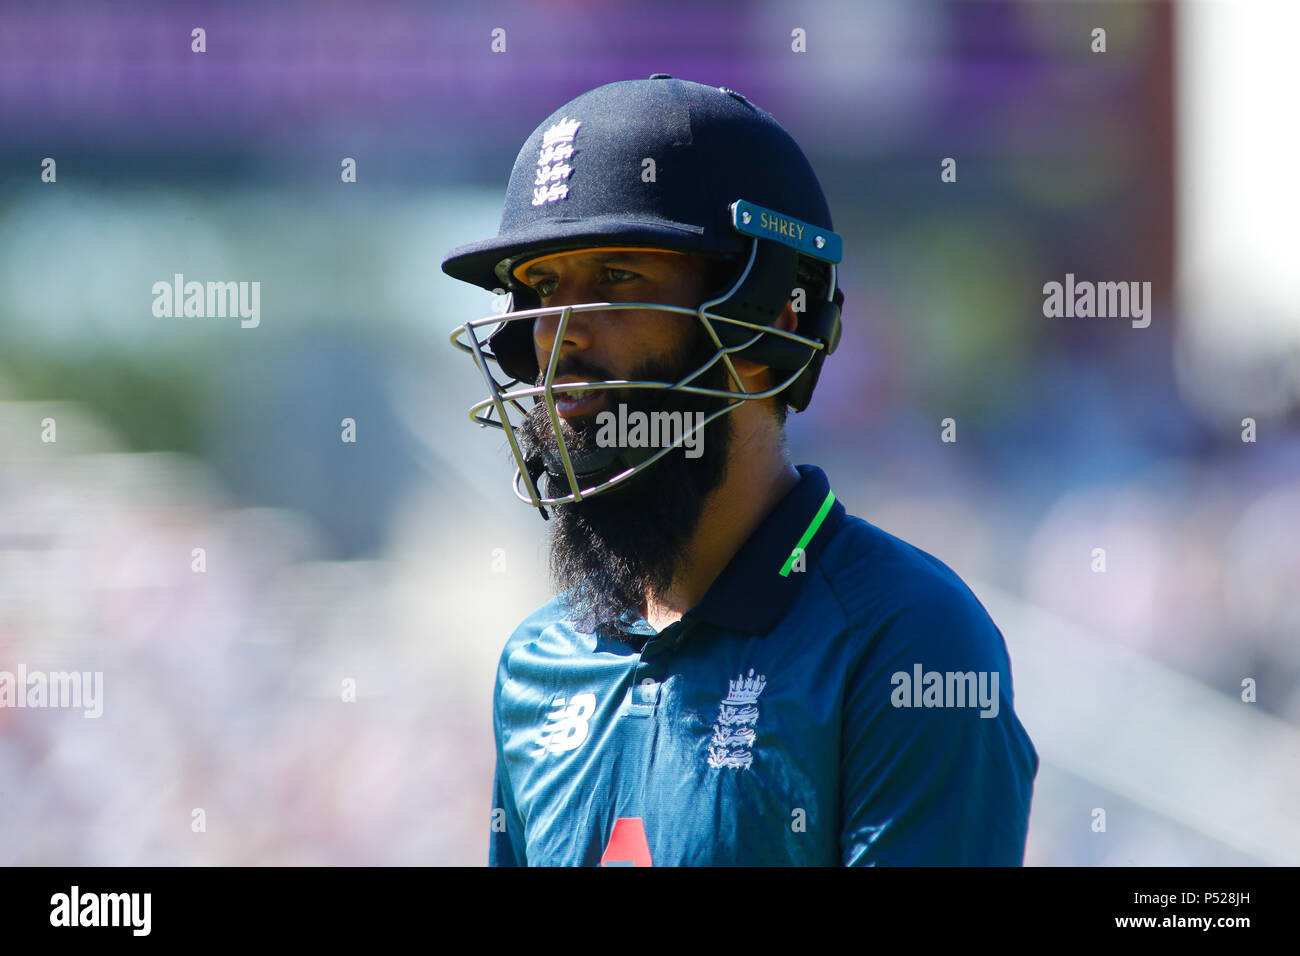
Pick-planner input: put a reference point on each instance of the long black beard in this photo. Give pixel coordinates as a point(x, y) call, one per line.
point(611, 552)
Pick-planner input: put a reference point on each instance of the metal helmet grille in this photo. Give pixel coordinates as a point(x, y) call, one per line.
point(507, 403)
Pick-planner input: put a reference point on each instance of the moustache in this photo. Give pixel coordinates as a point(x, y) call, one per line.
point(587, 371)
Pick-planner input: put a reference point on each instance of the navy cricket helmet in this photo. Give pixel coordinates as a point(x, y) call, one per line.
point(657, 164)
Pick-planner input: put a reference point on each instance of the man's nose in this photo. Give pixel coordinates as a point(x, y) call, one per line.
point(578, 331)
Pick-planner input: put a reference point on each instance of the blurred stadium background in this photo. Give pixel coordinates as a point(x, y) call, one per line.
point(1165, 159)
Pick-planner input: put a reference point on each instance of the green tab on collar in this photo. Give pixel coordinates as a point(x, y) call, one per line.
point(817, 520)
point(762, 223)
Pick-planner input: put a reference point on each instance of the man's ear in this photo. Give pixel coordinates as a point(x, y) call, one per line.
point(752, 372)
point(787, 321)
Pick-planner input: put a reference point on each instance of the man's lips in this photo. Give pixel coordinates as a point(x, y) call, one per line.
point(585, 404)
point(577, 404)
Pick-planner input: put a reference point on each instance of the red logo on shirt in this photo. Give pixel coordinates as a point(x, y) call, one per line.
point(627, 844)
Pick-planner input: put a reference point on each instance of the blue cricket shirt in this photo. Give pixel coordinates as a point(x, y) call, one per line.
point(838, 697)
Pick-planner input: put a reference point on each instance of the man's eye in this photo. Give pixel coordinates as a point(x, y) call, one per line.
point(546, 287)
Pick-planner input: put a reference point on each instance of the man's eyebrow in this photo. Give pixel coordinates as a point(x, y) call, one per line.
point(602, 258)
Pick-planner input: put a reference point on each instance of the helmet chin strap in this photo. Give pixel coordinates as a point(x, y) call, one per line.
point(593, 467)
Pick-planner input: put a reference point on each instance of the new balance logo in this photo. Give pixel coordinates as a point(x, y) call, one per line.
point(566, 727)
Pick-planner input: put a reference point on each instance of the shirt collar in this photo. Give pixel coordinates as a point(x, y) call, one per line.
point(760, 583)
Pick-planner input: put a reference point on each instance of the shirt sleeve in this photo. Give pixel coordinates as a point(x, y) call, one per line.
point(934, 785)
point(506, 844)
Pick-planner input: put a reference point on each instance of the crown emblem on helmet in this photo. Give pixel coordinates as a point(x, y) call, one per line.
point(564, 130)
point(553, 162)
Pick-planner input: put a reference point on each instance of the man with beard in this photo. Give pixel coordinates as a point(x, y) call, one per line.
point(734, 670)
point(641, 546)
